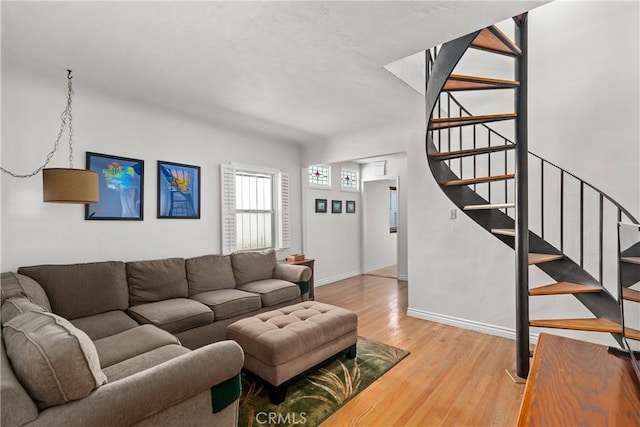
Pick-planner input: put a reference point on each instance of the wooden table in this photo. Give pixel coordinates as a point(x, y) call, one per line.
point(578, 383)
point(309, 263)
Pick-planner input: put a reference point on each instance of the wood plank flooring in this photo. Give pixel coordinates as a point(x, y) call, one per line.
point(453, 377)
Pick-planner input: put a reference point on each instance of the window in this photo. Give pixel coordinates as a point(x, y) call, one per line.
point(393, 209)
point(255, 208)
point(349, 180)
point(320, 176)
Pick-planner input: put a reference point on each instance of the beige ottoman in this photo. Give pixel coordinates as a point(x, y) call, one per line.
point(282, 344)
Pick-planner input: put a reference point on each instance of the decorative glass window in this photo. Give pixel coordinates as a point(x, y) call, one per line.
point(319, 176)
point(349, 180)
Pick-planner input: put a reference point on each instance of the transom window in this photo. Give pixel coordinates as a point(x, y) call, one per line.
point(320, 176)
point(349, 180)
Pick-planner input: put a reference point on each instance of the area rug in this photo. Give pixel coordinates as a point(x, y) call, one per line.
point(314, 398)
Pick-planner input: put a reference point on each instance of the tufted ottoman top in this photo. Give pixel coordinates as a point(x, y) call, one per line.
point(279, 336)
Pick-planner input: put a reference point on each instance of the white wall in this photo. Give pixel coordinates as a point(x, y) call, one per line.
point(34, 232)
point(333, 240)
point(583, 113)
point(380, 247)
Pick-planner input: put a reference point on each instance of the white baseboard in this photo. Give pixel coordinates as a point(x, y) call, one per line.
point(336, 278)
point(404, 277)
point(485, 328)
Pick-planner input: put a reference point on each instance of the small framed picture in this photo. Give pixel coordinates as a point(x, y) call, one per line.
point(178, 190)
point(351, 206)
point(121, 186)
point(321, 205)
point(336, 206)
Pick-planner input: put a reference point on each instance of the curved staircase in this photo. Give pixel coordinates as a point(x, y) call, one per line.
point(481, 171)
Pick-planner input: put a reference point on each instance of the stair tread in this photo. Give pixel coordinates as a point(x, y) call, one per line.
point(488, 206)
point(478, 180)
point(458, 82)
point(563, 288)
point(631, 259)
point(448, 122)
point(589, 324)
point(631, 294)
point(540, 258)
point(504, 231)
point(494, 40)
point(446, 155)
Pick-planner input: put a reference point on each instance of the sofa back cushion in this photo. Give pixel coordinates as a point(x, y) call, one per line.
point(54, 361)
point(20, 285)
point(78, 290)
point(157, 280)
point(209, 273)
point(17, 305)
point(253, 265)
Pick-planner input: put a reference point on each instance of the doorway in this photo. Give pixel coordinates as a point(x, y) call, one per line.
point(380, 231)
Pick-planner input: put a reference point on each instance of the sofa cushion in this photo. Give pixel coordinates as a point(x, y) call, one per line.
point(130, 343)
point(55, 361)
point(173, 315)
point(78, 290)
point(14, 396)
point(227, 303)
point(157, 280)
point(20, 285)
point(273, 291)
point(104, 324)
point(253, 265)
point(16, 306)
point(144, 361)
point(209, 272)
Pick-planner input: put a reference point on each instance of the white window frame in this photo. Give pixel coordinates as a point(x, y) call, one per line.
point(315, 185)
point(281, 226)
point(357, 180)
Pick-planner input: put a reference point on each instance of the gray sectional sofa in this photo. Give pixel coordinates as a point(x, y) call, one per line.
point(133, 343)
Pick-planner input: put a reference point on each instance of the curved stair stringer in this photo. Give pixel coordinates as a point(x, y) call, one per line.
point(601, 304)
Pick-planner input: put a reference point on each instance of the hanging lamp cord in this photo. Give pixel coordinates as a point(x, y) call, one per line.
point(66, 120)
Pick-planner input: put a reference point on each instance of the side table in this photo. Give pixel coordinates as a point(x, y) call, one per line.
point(309, 263)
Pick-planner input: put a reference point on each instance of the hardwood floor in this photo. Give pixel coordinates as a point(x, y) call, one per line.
point(453, 377)
point(390, 271)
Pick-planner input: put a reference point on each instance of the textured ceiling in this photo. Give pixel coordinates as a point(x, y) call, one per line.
point(301, 71)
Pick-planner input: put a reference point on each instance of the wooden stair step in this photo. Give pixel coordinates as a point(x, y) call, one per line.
point(447, 155)
point(493, 40)
point(540, 258)
point(589, 324)
point(451, 122)
point(631, 294)
point(563, 288)
point(488, 206)
point(504, 231)
point(458, 82)
point(478, 180)
point(631, 259)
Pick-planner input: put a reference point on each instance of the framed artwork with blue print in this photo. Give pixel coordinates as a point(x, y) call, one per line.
point(120, 185)
point(178, 190)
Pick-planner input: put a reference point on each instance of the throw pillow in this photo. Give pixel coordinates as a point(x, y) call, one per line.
point(20, 285)
point(54, 361)
point(15, 306)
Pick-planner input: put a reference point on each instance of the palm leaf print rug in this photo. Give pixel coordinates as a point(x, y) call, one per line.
point(312, 399)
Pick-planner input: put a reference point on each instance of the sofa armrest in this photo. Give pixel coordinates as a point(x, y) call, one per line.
point(151, 391)
point(292, 273)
